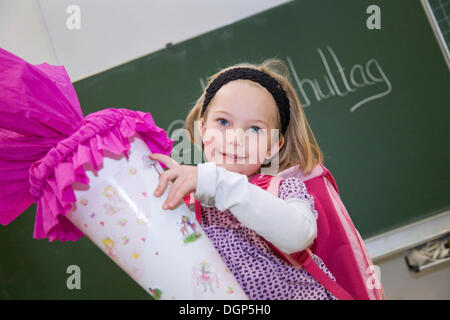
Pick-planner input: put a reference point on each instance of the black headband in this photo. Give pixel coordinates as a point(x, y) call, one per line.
point(255, 75)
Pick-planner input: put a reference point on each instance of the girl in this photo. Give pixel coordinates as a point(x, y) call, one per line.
point(278, 244)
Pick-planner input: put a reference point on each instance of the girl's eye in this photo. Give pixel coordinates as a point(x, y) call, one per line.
point(224, 122)
point(257, 129)
point(220, 121)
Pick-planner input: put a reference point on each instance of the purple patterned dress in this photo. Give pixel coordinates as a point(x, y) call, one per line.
point(259, 271)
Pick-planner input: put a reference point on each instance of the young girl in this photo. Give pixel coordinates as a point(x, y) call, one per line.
point(281, 244)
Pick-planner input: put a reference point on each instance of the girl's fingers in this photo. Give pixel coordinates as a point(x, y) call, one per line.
point(174, 193)
point(164, 179)
point(181, 192)
point(180, 187)
point(168, 161)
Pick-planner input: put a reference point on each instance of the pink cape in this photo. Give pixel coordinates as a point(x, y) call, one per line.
point(338, 242)
point(45, 141)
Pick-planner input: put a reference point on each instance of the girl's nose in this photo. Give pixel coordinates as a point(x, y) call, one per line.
point(235, 137)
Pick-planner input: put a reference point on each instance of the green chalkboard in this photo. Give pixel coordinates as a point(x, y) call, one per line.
point(377, 101)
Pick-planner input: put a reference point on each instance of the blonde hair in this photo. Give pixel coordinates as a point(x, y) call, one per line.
point(300, 146)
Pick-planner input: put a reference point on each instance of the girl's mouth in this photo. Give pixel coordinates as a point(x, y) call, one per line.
point(231, 157)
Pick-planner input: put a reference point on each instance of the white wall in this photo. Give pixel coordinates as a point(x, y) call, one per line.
point(400, 283)
point(111, 32)
point(388, 250)
point(22, 31)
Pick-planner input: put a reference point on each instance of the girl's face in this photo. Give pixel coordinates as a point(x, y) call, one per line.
point(238, 132)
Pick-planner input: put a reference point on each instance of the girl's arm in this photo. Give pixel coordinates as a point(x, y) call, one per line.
point(288, 224)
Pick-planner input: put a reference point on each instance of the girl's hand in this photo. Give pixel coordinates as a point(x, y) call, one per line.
point(185, 183)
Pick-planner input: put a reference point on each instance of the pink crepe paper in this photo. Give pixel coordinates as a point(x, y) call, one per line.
point(45, 142)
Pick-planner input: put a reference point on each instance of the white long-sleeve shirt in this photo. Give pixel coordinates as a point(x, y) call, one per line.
point(289, 224)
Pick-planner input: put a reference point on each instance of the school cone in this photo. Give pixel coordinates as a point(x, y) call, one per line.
point(165, 251)
point(91, 175)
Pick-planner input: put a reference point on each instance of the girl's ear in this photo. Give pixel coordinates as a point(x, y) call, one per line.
point(202, 130)
point(275, 149)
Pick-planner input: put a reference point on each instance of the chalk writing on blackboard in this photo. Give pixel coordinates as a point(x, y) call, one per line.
point(339, 83)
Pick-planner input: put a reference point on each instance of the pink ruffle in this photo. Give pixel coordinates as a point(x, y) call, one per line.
point(51, 178)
